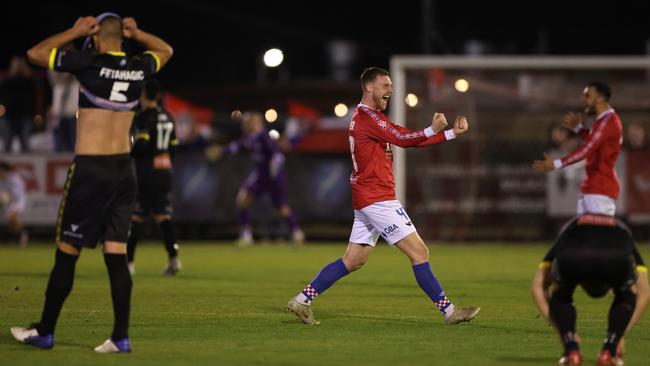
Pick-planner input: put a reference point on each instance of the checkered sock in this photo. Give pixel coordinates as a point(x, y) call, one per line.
point(430, 285)
point(323, 280)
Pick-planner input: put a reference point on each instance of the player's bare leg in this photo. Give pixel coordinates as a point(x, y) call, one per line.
point(415, 249)
point(355, 257)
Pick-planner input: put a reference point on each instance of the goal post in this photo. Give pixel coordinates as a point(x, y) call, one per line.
point(512, 103)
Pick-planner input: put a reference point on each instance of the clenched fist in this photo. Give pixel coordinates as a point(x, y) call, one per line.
point(439, 122)
point(460, 125)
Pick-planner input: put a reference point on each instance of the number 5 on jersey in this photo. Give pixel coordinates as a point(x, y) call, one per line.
point(118, 87)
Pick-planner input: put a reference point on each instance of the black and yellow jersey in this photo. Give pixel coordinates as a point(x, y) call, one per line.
point(154, 133)
point(111, 80)
point(595, 233)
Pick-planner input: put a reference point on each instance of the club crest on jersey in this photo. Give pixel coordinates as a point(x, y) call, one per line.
point(382, 124)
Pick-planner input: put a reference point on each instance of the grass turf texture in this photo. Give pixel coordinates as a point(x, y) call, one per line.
point(227, 307)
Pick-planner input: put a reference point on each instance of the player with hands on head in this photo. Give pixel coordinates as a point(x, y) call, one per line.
point(100, 188)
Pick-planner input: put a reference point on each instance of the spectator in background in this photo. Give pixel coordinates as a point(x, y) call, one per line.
point(561, 140)
point(637, 197)
point(13, 201)
point(65, 96)
point(18, 103)
point(637, 139)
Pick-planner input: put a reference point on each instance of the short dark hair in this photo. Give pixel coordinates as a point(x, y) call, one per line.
point(601, 88)
point(110, 28)
point(152, 89)
point(371, 74)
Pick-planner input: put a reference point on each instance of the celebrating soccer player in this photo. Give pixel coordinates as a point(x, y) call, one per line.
point(601, 146)
point(376, 209)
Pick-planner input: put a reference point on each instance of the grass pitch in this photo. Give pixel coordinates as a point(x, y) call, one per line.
point(227, 307)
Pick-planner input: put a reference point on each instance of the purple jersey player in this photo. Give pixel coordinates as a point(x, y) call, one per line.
point(268, 175)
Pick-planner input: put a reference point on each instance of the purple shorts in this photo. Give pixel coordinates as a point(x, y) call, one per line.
point(257, 183)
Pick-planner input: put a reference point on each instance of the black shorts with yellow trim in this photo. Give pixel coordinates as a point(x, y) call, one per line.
point(97, 201)
point(595, 269)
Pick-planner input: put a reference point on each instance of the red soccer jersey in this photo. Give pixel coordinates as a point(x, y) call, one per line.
point(370, 136)
point(601, 148)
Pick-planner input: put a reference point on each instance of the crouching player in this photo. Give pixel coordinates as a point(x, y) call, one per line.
point(597, 253)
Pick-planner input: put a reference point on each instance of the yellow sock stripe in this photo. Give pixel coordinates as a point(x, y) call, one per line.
point(153, 54)
point(544, 264)
point(643, 269)
point(52, 58)
point(66, 188)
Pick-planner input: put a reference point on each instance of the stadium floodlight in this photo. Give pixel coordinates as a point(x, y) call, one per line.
point(411, 100)
point(273, 57)
point(461, 85)
point(340, 110)
point(271, 115)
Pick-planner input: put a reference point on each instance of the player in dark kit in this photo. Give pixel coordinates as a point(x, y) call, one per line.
point(154, 140)
point(597, 253)
point(99, 193)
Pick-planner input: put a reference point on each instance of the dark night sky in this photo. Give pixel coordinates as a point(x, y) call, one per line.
point(220, 41)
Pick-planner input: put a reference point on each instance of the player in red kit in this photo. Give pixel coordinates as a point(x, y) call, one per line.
point(376, 209)
point(601, 147)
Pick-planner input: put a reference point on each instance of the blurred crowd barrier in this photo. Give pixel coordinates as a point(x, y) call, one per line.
point(448, 199)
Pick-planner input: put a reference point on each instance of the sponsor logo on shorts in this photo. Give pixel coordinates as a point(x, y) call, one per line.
point(73, 233)
point(389, 230)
